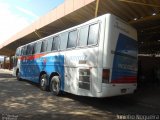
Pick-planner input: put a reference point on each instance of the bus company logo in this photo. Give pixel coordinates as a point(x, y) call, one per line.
point(127, 67)
point(77, 58)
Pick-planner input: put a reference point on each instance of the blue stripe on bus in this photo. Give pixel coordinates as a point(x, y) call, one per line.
point(30, 69)
point(121, 64)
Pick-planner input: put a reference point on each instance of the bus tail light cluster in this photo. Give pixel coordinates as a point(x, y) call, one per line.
point(105, 76)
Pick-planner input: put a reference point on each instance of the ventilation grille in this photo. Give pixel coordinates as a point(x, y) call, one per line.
point(84, 79)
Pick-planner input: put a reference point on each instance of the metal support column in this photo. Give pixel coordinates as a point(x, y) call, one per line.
point(10, 62)
point(4, 63)
point(38, 35)
point(97, 6)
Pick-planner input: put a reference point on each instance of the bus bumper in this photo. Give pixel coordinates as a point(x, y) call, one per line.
point(109, 90)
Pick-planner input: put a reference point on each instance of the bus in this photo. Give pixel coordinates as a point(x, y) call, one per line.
point(97, 58)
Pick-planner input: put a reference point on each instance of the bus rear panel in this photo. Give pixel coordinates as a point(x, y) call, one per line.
point(119, 73)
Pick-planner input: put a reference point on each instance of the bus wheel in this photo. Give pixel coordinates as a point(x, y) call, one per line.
point(55, 85)
point(43, 82)
point(18, 75)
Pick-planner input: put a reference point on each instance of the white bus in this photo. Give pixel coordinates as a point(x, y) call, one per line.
point(97, 58)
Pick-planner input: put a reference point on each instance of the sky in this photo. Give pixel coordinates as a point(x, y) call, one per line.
point(18, 14)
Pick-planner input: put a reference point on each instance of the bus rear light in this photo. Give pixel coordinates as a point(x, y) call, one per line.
point(105, 76)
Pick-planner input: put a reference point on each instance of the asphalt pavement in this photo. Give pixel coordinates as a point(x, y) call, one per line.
point(23, 100)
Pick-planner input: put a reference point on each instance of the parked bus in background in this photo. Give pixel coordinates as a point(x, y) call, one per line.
point(97, 58)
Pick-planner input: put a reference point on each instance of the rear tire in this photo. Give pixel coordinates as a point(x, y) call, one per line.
point(43, 82)
point(55, 85)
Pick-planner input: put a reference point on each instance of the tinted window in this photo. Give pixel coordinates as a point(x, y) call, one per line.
point(64, 38)
point(24, 50)
point(37, 47)
point(44, 46)
point(29, 49)
point(49, 42)
point(93, 34)
point(21, 50)
point(83, 36)
point(55, 44)
point(72, 39)
point(18, 52)
point(33, 51)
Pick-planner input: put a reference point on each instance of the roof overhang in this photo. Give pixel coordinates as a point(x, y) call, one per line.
point(142, 14)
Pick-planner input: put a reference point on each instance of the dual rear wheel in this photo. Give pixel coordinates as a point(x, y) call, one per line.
point(54, 85)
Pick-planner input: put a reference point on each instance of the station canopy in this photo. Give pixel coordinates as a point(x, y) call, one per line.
point(144, 15)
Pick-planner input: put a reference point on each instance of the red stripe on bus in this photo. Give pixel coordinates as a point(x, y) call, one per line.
point(31, 57)
point(131, 79)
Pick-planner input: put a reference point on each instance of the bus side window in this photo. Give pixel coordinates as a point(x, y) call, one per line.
point(33, 51)
point(24, 49)
point(64, 38)
point(44, 46)
point(72, 39)
point(29, 49)
point(93, 34)
point(55, 44)
point(17, 52)
point(37, 47)
point(49, 43)
point(20, 52)
point(83, 36)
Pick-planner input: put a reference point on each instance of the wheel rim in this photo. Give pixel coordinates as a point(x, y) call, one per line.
point(55, 86)
point(42, 82)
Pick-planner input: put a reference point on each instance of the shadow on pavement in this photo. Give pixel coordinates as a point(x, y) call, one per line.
point(23, 98)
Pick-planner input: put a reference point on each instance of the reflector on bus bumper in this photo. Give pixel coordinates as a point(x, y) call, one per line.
point(105, 75)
